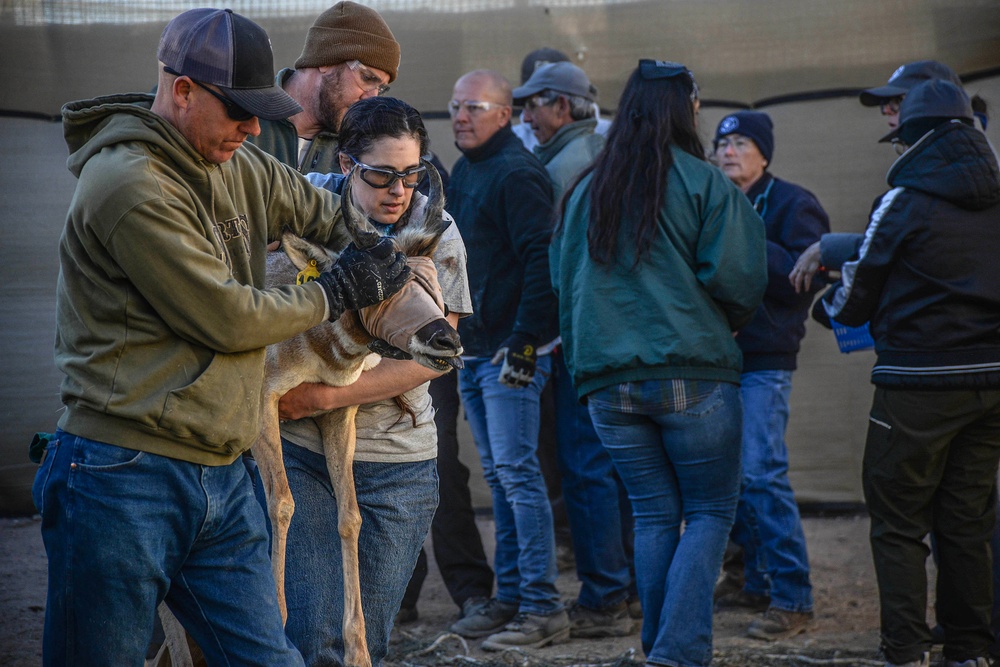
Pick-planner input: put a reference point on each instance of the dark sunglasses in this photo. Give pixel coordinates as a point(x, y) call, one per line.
point(233, 110)
point(385, 178)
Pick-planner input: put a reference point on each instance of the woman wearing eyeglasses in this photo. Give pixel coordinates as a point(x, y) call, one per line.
point(657, 259)
point(394, 468)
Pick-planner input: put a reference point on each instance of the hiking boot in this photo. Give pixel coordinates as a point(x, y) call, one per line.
point(531, 631)
point(406, 615)
point(590, 623)
point(471, 605)
point(780, 624)
point(634, 608)
point(924, 661)
point(743, 601)
point(484, 621)
point(978, 662)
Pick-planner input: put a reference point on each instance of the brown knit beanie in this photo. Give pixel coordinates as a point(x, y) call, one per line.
point(349, 31)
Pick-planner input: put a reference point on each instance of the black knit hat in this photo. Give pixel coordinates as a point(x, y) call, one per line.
point(230, 51)
point(755, 125)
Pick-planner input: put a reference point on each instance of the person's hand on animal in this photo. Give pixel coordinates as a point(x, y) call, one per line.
point(362, 278)
point(806, 267)
point(306, 400)
point(519, 357)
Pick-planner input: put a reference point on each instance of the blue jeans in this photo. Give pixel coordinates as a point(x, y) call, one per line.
point(504, 424)
point(600, 515)
point(767, 525)
point(679, 466)
point(397, 502)
point(125, 530)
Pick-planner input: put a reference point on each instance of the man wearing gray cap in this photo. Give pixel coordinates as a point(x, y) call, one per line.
point(161, 325)
point(349, 55)
point(926, 282)
point(558, 101)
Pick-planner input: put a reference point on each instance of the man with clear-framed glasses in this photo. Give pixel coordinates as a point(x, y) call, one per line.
point(349, 55)
point(501, 198)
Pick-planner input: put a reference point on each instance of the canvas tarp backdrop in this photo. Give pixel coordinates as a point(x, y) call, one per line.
point(802, 61)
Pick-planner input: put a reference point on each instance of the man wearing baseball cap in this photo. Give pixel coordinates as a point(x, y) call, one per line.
point(888, 97)
point(349, 54)
point(558, 101)
point(161, 325)
point(925, 281)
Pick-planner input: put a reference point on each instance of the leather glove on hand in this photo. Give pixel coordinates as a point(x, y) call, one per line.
point(362, 278)
point(518, 356)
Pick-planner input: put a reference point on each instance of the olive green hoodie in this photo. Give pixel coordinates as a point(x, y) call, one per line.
point(161, 312)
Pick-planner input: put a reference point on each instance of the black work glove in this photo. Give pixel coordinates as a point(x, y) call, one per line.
point(385, 349)
point(518, 356)
point(362, 278)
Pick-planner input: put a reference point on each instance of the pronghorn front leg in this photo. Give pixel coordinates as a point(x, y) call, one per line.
point(339, 439)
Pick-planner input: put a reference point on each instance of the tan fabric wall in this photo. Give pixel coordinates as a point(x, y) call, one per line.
point(739, 51)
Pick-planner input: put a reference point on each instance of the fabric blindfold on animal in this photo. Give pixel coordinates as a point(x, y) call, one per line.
point(409, 307)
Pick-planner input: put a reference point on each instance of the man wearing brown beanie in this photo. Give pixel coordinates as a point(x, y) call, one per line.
point(349, 54)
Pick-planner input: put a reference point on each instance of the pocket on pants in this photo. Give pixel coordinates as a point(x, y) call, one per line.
point(41, 481)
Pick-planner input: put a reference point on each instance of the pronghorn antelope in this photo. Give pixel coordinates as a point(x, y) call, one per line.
point(336, 353)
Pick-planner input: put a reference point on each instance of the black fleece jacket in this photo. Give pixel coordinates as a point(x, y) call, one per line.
point(926, 276)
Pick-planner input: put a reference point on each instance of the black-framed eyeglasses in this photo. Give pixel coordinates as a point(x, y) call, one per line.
point(233, 110)
point(383, 179)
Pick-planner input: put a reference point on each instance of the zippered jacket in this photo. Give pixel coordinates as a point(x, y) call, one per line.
point(926, 276)
point(673, 315)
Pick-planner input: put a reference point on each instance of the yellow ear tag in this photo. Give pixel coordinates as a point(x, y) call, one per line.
point(307, 274)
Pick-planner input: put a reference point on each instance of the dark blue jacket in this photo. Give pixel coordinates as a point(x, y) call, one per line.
point(501, 199)
point(793, 221)
point(926, 276)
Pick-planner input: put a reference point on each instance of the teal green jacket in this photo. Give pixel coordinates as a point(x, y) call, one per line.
point(280, 139)
point(161, 312)
point(569, 150)
point(673, 315)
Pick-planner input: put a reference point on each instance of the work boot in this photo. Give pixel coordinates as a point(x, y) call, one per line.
point(924, 661)
point(531, 631)
point(471, 605)
point(590, 623)
point(743, 601)
point(485, 620)
point(778, 624)
point(634, 607)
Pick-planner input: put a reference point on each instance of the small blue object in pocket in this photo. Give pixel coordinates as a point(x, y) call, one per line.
point(852, 339)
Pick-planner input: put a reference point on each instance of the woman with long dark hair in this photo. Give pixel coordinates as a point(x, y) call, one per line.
point(395, 467)
point(658, 258)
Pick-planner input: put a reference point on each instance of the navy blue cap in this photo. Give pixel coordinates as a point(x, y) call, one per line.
point(755, 125)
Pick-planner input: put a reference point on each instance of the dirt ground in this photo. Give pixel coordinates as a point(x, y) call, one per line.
point(846, 630)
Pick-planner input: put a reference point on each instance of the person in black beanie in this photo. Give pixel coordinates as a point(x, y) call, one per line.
point(768, 526)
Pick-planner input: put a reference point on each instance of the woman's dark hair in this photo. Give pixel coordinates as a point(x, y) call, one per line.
point(372, 118)
point(630, 172)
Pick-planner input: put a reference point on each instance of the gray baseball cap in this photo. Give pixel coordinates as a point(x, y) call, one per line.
point(905, 78)
point(230, 51)
point(561, 77)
